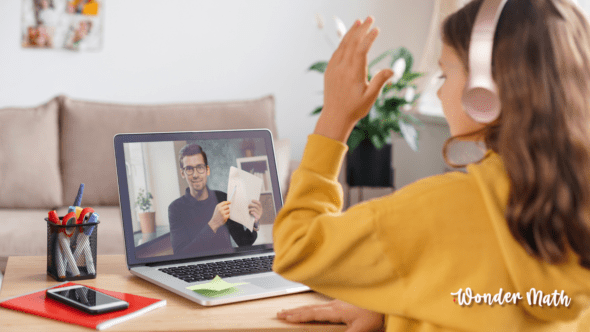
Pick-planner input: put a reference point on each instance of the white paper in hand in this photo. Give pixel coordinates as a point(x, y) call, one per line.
point(245, 187)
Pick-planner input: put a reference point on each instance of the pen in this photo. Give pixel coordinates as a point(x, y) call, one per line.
point(232, 193)
point(59, 260)
point(78, 200)
point(77, 210)
point(52, 216)
point(84, 244)
point(82, 217)
point(64, 240)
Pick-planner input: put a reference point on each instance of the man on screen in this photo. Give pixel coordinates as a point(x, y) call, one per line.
point(199, 220)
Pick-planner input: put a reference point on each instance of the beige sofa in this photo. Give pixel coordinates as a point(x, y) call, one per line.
point(47, 151)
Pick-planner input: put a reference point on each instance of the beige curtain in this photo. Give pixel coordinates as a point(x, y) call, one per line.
point(429, 84)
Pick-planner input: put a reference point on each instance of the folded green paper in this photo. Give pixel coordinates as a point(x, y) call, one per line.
point(216, 287)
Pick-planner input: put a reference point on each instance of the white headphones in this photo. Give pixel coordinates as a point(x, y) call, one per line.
point(480, 97)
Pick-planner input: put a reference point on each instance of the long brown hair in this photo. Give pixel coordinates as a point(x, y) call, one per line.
point(541, 65)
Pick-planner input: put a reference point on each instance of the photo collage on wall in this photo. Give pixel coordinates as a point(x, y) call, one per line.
point(74, 25)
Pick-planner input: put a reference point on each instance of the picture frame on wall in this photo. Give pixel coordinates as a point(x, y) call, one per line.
point(74, 25)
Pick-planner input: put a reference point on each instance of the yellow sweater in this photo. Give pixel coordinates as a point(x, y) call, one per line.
point(405, 254)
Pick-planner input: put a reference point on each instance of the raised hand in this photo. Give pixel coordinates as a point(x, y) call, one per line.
point(348, 95)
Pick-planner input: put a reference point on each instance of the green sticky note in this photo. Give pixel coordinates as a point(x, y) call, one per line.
point(215, 285)
point(213, 294)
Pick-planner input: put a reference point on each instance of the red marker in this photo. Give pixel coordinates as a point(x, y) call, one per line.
point(53, 217)
point(84, 216)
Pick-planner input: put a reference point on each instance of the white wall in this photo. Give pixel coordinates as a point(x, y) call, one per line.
point(188, 50)
point(163, 173)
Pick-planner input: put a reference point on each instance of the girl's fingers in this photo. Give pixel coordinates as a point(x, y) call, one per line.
point(360, 35)
point(299, 310)
point(357, 31)
point(354, 37)
point(321, 314)
point(350, 34)
point(358, 326)
point(347, 41)
point(284, 313)
point(377, 83)
point(368, 40)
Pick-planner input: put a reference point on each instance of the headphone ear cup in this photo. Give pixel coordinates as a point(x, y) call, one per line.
point(481, 104)
point(480, 98)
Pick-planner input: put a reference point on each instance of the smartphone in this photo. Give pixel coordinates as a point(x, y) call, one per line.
point(86, 299)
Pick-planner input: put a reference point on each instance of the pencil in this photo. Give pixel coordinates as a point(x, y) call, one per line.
point(231, 196)
point(78, 200)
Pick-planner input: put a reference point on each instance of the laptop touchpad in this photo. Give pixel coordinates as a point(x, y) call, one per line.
point(270, 282)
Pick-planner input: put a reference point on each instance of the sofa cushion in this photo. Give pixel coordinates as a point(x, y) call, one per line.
point(87, 153)
point(29, 157)
point(24, 231)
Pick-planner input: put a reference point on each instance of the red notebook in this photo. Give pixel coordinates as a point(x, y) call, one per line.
point(38, 304)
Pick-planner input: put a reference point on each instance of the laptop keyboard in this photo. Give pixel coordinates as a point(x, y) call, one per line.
point(208, 271)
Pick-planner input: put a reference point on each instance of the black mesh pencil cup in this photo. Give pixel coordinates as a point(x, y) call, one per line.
point(71, 250)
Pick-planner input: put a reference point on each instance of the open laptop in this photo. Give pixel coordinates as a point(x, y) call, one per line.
point(183, 243)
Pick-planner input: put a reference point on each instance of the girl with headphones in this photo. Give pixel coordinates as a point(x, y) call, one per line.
point(443, 253)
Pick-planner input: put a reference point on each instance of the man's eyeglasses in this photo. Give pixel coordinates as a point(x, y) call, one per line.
point(189, 170)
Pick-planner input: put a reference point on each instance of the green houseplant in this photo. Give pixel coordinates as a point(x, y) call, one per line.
point(369, 158)
point(144, 200)
point(147, 218)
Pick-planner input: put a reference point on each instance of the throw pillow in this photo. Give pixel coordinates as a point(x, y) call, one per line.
point(29, 157)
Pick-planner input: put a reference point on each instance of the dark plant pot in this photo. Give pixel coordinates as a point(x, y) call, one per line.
point(369, 167)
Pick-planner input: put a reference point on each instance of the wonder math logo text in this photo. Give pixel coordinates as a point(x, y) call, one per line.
point(534, 298)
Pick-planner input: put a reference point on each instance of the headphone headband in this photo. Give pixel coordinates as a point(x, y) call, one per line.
point(480, 97)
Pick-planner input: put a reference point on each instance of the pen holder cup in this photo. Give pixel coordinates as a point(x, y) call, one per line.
point(71, 251)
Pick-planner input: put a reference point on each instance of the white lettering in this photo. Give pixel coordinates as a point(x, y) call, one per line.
point(465, 297)
point(477, 298)
point(498, 297)
point(532, 299)
point(459, 297)
point(564, 299)
point(468, 295)
point(536, 297)
point(516, 297)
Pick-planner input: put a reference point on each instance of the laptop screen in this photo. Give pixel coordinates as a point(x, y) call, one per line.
point(196, 194)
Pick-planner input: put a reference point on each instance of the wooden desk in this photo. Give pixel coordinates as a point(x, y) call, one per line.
point(26, 274)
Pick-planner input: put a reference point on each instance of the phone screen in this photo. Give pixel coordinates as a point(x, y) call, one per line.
point(87, 296)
